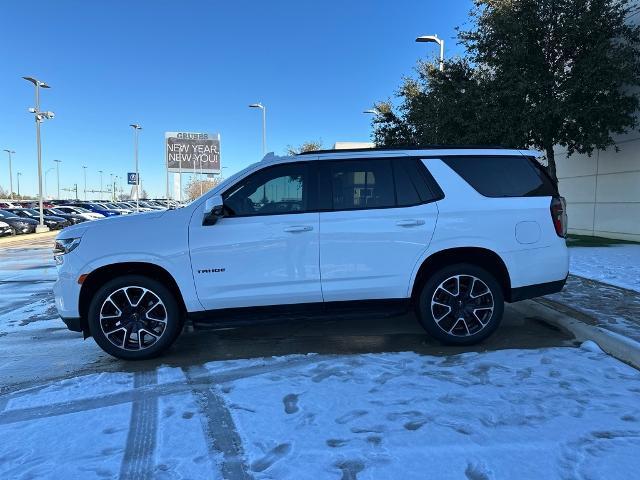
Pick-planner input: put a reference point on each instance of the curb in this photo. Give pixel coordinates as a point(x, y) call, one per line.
point(623, 348)
point(18, 239)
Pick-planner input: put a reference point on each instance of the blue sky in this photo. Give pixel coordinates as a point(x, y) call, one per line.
point(195, 66)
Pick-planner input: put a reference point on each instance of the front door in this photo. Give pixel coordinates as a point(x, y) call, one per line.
point(265, 250)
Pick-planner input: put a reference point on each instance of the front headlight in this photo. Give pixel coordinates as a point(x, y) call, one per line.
point(64, 246)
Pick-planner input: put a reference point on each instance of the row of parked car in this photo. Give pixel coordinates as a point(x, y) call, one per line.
point(22, 217)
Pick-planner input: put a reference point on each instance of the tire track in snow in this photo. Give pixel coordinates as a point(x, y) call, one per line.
point(219, 428)
point(138, 460)
point(147, 391)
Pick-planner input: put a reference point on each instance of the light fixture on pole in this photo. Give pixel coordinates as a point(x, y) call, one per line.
point(58, 176)
point(10, 152)
point(434, 39)
point(372, 111)
point(264, 125)
point(39, 117)
point(100, 172)
point(136, 128)
point(18, 176)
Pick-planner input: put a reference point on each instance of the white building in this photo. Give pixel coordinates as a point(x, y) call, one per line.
point(603, 191)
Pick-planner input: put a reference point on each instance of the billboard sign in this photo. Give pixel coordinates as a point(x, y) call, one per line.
point(132, 178)
point(189, 151)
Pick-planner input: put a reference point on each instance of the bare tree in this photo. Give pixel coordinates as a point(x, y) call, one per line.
point(308, 146)
point(197, 187)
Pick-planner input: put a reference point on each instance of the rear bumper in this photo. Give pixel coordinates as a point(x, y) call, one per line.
point(537, 290)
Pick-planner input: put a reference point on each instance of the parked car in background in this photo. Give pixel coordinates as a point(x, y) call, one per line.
point(451, 233)
point(151, 205)
point(132, 206)
point(51, 221)
point(114, 208)
point(6, 229)
point(20, 224)
point(96, 208)
point(83, 212)
point(72, 218)
point(5, 204)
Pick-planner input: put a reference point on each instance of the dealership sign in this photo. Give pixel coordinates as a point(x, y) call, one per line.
point(192, 151)
point(132, 178)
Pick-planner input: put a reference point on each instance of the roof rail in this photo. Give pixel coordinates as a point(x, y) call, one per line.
point(407, 147)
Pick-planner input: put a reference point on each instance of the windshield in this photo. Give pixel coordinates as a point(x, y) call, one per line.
point(56, 211)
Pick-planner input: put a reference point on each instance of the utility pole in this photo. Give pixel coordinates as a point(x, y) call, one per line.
point(100, 172)
point(10, 152)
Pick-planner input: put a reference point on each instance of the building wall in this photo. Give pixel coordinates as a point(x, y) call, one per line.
point(603, 190)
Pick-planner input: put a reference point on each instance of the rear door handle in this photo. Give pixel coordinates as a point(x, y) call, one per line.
point(410, 222)
point(298, 228)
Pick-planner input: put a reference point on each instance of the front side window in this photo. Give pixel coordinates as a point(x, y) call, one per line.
point(275, 190)
point(362, 184)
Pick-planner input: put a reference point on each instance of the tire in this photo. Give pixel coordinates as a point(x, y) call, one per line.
point(138, 333)
point(468, 317)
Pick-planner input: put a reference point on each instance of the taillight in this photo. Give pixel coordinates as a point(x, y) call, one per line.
point(559, 215)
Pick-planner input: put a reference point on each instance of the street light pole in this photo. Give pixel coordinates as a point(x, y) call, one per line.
point(84, 168)
point(264, 125)
point(10, 152)
point(18, 175)
point(39, 117)
point(46, 175)
point(136, 127)
point(58, 176)
point(438, 41)
point(100, 172)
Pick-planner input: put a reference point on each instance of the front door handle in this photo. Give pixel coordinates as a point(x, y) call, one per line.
point(410, 222)
point(298, 228)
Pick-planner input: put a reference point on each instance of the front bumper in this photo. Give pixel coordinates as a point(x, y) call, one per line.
point(73, 323)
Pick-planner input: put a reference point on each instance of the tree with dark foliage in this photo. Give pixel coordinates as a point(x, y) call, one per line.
point(537, 73)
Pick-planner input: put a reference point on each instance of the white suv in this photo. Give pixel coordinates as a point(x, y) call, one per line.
point(449, 232)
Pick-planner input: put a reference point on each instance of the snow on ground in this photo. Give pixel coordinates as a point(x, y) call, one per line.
point(550, 413)
point(617, 265)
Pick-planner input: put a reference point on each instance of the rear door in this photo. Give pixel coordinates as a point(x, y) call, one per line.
point(378, 219)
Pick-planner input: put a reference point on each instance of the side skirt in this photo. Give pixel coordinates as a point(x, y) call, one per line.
point(300, 311)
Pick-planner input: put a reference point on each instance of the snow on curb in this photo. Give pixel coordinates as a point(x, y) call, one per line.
point(623, 348)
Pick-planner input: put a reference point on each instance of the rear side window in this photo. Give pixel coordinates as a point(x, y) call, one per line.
point(361, 184)
point(503, 176)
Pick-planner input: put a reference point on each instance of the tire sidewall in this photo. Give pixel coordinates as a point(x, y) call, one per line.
point(424, 306)
point(172, 329)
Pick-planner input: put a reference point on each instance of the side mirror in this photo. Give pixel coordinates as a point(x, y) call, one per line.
point(213, 210)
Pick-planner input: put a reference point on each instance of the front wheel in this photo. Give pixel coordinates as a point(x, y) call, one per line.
point(134, 317)
point(461, 304)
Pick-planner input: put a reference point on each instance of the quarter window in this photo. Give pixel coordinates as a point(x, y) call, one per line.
point(503, 176)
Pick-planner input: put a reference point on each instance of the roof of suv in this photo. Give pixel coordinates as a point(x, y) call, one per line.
point(422, 150)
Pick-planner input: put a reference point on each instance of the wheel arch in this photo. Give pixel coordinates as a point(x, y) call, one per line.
point(482, 257)
point(100, 275)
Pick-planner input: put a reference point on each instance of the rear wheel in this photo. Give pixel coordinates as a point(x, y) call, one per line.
point(461, 304)
point(134, 317)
